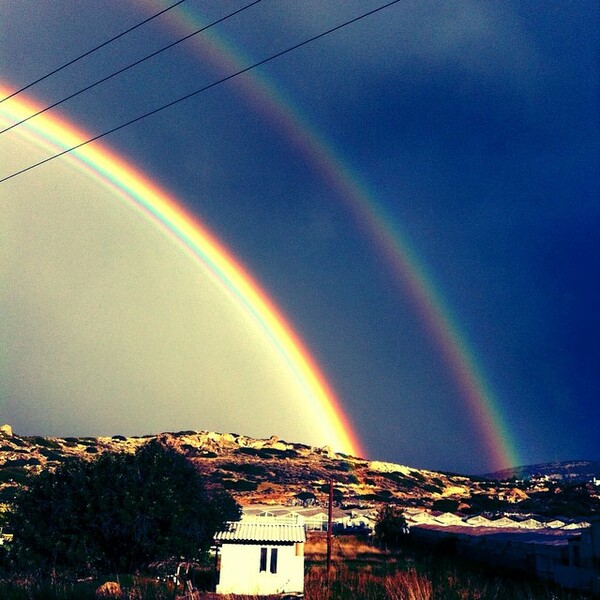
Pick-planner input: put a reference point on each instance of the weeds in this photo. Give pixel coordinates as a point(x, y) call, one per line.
point(359, 572)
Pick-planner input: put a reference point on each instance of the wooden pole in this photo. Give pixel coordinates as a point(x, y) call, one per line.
point(329, 526)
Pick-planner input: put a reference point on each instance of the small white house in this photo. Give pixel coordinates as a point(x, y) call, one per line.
point(261, 558)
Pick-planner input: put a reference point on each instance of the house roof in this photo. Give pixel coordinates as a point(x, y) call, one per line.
point(448, 519)
point(503, 522)
point(251, 531)
point(555, 524)
point(479, 520)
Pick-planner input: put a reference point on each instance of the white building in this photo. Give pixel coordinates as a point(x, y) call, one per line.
point(261, 557)
point(313, 518)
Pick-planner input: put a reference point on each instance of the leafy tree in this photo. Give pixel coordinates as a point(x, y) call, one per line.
point(446, 505)
point(391, 526)
point(117, 512)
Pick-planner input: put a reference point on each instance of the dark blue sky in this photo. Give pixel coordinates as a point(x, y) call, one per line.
point(476, 126)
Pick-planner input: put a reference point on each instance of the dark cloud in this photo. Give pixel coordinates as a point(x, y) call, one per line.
point(476, 126)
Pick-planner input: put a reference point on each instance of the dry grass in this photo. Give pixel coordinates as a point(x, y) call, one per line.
point(344, 548)
point(344, 583)
point(359, 571)
point(364, 572)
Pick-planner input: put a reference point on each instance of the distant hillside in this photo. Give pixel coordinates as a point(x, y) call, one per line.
point(568, 471)
point(274, 471)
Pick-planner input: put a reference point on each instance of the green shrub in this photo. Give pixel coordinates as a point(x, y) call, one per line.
point(45, 442)
point(417, 475)
point(17, 441)
point(446, 505)
point(17, 474)
point(118, 511)
point(22, 462)
point(239, 485)
point(51, 454)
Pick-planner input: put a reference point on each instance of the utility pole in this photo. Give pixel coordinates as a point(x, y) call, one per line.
point(329, 526)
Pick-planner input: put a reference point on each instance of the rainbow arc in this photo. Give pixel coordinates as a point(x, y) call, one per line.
point(56, 134)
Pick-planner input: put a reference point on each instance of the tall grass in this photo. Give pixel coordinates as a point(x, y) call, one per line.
point(345, 584)
point(359, 572)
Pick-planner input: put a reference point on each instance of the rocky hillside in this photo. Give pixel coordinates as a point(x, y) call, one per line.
point(570, 471)
point(274, 471)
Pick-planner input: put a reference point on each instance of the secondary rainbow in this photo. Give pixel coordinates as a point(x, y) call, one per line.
point(57, 134)
point(387, 236)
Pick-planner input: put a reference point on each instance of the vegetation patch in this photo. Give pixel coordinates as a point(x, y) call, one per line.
point(432, 489)
point(446, 505)
point(17, 474)
point(71, 440)
point(101, 527)
point(239, 485)
point(17, 441)
point(267, 453)
point(51, 454)
point(207, 454)
point(22, 462)
point(45, 442)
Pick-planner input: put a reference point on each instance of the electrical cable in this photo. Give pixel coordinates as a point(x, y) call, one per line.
point(133, 64)
point(68, 64)
point(201, 90)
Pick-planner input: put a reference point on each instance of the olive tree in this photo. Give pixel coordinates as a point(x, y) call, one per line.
point(117, 512)
point(391, 526)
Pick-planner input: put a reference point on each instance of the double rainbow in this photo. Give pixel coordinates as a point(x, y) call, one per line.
point(360, 201)
point(385, 234)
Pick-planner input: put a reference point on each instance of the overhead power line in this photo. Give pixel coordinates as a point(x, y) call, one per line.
point(133, 64)
point(112, 39)
point(203, 89)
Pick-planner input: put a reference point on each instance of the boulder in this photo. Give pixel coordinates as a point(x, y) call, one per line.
point(110, 589)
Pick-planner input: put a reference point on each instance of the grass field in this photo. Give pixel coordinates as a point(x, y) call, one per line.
point(363, 571)
point(359, 571)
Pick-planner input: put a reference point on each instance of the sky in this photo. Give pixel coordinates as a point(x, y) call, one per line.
point(417, 193)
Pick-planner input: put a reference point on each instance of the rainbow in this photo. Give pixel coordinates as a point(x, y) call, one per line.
point(407, 271)
point(56, 134)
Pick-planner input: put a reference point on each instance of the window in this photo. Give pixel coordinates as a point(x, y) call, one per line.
point(263, 559)
point(273, 568)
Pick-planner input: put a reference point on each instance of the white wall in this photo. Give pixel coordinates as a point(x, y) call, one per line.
point(240, 570)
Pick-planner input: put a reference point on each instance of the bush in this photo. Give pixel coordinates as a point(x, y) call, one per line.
point(391, 527)
point(17, 441)
point(446, 505)
point(51, 454)
point(267, 453)
point(22, 462)
point(117, 512)
point(338, 495)
point(16, 474)
point(46, 442)
point(239, 485)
